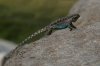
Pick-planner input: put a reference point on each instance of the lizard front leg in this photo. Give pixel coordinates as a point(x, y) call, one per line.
point(72, 26)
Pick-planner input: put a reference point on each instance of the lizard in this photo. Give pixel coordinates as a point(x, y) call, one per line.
point(61, 23)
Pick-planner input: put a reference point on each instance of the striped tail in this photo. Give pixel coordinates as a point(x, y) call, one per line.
point(33, 35)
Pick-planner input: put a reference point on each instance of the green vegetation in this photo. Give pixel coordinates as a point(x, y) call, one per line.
point(20, 18)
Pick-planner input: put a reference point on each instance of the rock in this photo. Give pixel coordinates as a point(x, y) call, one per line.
point(89, 11)
point(80, 47)
point(5, 47)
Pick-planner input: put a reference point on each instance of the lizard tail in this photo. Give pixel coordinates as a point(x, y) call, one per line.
point(33, 35)
point(23, 42)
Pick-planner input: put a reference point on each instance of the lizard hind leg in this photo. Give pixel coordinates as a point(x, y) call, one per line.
point(49, 32)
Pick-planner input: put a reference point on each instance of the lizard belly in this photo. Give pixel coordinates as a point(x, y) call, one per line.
point(61, 26)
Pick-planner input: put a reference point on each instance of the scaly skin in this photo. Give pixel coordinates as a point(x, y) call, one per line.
point(61, 23)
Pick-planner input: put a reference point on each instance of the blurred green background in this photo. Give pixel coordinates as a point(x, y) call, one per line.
point(20, 18)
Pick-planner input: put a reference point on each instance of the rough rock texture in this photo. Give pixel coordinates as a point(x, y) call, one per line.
point(80, 47)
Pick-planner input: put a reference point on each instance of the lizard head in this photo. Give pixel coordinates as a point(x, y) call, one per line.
point(74, 17)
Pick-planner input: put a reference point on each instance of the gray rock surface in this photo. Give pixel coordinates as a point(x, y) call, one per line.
point(89, 11)
point(5, 47)
point(80, 47)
